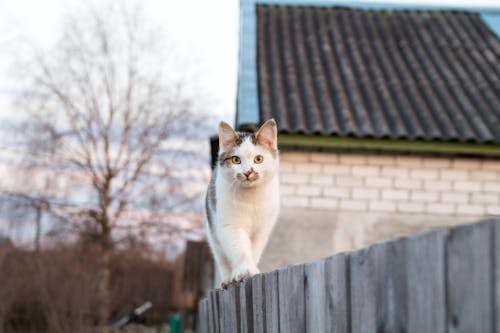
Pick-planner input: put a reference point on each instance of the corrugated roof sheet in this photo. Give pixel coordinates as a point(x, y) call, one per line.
point(430, 75)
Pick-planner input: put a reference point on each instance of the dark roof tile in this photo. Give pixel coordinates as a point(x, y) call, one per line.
point(418, 75)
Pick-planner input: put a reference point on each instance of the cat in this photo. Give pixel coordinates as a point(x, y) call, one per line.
point(243, 200)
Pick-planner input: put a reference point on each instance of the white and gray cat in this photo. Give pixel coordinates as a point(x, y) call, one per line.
point(243, 199)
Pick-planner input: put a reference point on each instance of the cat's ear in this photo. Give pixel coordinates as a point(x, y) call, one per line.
point(227, 136)
point(267, 135)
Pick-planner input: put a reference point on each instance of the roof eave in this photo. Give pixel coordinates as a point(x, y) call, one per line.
point(387, 146)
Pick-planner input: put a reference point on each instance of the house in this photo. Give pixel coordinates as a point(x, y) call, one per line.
point(389, 119)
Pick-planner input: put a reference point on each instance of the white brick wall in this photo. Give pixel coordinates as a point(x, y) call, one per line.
point(399, 184)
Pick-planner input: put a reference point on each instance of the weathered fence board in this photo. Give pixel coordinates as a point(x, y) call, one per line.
point(271, 299)
point(393, 285)
point(229, 309)
point(445, 280)
point(496, 272)
point(258, 307)
point(363, 287)
point(315, 296)
point(246, 310)
point(291, 299)
point(203, 316)
point(469, 279)
point(337, 318)
point(214, 313)
point(425, 273)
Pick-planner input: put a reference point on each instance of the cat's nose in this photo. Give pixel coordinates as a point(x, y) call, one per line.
point(247, 173)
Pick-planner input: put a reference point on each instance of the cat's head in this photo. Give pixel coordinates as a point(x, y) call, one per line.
point(248, 159)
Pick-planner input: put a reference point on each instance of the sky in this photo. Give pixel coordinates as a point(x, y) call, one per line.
point(206, 31)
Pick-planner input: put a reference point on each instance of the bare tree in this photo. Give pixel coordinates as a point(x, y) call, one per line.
point(19, 206)
point(100, 110)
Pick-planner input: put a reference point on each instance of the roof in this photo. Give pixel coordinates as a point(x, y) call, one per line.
point(404, 74)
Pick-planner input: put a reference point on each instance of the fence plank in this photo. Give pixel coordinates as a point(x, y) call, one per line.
point(258, 306)
point(214, 306)
point(364, 293)
point(202, 316)
point(246, 310)
point(393, 286)
point(378, 288)
point(469, 278)
point(229, 309)
point(496, 265)
point(210, 313)
point(291, 299)
point(315, 296)
point(425, 274)
point(271, 299)
point(337, 316)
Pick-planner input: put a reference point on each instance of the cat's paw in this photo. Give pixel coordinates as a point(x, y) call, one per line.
point(242, 272)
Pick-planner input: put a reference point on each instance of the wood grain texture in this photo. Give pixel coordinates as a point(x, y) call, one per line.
point(426, 280)
point(315, 296)
point(393, 286)
point(496, 272)
point(364, 292)
point(229, 309)
point(258, 305)
point(214, 305)
point(246, 310)
point(292, 299)
point(338, 299)
point(203, 321)
point(378, 288)
point(469, 279)
point(271, 299)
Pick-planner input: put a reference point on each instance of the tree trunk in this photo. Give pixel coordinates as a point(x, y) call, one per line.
point(104, 283)
point(38, 230)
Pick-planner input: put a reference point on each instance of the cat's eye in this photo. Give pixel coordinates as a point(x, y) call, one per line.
point(258, 159)
point(235, 160)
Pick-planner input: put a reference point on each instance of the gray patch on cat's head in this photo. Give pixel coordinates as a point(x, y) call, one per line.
point(252, 134)
point(225, 156)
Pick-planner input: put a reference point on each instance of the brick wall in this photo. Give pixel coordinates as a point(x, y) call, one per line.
point(342, 202)
point(391, 184)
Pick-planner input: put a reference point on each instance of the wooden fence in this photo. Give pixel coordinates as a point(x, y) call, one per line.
point(442, 281)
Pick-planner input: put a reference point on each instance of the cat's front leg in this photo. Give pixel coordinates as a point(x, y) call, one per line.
point(237, 247)
point(223, 266)
point(259, 242)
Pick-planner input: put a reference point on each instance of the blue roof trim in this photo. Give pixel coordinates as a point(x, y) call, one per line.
point(492, 21)
point(248, 90)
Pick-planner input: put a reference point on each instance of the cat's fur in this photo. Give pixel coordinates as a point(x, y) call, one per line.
point(242, 208)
